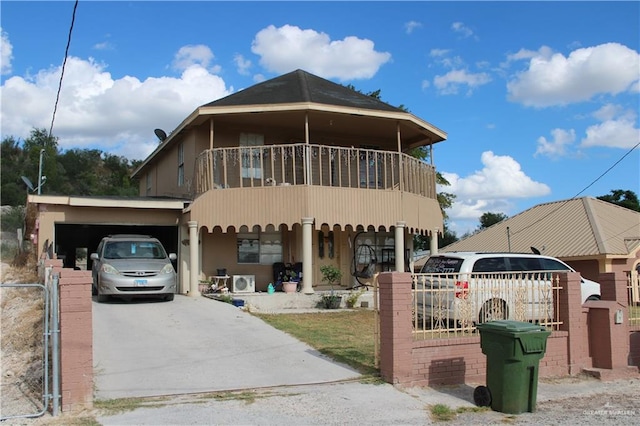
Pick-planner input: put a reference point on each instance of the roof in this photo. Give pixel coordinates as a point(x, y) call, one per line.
point(301, 86)
point(578, 227)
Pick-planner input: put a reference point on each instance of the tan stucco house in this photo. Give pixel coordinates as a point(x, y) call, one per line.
point(296, 170)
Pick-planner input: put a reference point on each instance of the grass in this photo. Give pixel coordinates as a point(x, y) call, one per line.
point(443, 413)
point(347, 337)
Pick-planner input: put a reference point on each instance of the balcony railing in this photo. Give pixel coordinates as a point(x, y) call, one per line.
point(306, 164)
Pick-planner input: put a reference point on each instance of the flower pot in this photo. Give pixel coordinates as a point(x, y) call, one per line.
point(331, 302)
point(290, 286)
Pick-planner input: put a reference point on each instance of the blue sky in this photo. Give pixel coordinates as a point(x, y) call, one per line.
point(539, 99)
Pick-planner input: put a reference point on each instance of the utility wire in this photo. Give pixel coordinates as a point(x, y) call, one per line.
point(575, 196)
point(64, 62)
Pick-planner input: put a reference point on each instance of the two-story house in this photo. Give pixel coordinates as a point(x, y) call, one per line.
point(299, 170)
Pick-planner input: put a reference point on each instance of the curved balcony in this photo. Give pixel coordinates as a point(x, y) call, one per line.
point(313, 165)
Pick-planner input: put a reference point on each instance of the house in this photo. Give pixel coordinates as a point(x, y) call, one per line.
point(591, 235)
point(294, 170)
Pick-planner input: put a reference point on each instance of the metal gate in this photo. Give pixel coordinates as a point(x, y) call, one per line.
point(28, 320)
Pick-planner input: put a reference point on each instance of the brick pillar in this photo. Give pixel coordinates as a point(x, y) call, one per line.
point(396, 337)
point(76, 339)
point(574, 320)
point(613, 287)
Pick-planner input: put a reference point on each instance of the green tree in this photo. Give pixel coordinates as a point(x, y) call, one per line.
point(627, 199)
point(13, 191)
point(489, 218)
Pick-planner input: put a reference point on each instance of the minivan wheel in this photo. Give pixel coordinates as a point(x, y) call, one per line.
point(494, 309)
point(169, 297)
point(102, 298)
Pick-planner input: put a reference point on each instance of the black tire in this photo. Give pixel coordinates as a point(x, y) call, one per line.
point(169, 297)
point(94, 289)
point(482, 396)
point(493, 309)
point(102, 298)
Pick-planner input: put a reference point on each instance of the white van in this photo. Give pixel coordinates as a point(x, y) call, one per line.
point(479, 287)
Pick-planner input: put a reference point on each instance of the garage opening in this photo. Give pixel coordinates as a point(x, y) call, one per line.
point(74, 243)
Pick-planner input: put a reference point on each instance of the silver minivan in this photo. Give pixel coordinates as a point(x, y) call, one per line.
point(132, 265)
point(480, 287)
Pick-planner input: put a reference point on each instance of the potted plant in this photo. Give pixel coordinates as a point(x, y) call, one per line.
point(353, 297)
point(331, 275)
point(289, 279)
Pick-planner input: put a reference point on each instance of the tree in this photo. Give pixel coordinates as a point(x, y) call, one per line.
point(489, 218)
point(627, 199)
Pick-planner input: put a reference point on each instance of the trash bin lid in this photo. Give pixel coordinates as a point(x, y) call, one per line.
point(509, 327)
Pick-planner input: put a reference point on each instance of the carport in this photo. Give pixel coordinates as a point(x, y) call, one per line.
point(71, 227)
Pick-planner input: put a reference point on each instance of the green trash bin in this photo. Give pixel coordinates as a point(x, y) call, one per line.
point(513, 351)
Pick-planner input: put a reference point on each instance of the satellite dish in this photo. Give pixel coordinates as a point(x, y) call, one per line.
point(535, 250)
point(28, 183)
point(160, 134)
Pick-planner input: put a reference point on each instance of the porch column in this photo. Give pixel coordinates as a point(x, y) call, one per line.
point(400, 246)
point(307, 255)
point(433, 249)
point(194, 266)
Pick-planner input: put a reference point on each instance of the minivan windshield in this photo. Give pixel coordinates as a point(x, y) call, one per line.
point(442, 265)
point(134, 250)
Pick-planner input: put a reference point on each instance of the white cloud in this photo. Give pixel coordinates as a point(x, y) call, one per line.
point(242, 64)
point(287, 48)
point(553, 79)
point(411, 25)
point(188, 56)
point(95, 110)
point(490, 189)
point(462, 29)
point(451, 82)
point(438, 52)
point(620, 133)
point(6, 53)
point(557, 147)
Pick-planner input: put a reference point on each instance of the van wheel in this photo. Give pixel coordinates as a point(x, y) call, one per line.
point(494, 309)
point(169, 297)
point(102, 298)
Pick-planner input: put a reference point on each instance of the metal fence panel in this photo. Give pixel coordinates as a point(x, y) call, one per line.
point(451, 305)
point(24, 310)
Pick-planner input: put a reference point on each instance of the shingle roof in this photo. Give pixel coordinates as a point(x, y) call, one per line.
point(301, 86)
point(580, 227)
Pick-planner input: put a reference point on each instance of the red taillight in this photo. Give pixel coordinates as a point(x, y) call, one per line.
point(462, 289)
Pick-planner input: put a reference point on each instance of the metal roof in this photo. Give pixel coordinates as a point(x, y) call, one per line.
point(578, 227)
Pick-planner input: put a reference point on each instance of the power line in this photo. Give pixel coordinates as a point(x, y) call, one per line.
point(64, 62)
point(575, 196)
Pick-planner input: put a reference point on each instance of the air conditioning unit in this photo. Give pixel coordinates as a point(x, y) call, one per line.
point(244, 283)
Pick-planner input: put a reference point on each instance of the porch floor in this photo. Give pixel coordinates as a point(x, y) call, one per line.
point(280, 302)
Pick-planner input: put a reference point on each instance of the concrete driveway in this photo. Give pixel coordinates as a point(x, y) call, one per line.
point(195, 344)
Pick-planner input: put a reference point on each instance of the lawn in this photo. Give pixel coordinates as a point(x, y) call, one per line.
point(345, 336)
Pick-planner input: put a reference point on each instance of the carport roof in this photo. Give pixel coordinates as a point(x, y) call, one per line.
point(111, 201)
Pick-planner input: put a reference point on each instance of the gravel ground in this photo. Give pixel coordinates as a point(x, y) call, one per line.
point(562, 401)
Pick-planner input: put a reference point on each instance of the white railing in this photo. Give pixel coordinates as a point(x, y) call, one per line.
point(633, 292)
point(451, 305)
point(307, 164)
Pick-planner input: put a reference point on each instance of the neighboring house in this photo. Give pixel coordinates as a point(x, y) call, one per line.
point(591, 235)
point(296, 169)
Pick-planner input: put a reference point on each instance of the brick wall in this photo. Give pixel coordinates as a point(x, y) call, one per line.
point(406, 362)
point(76, 337)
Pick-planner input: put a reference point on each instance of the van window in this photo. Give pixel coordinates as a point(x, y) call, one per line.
point(553, 265)
point(490, 264)
point(524, 264)
point(442, 265)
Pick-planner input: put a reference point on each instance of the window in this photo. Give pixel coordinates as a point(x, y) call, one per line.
point(264, 248)
point(181, 164)
point(250, 144)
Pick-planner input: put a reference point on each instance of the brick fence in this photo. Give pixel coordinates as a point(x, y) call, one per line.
point(76, 337)
point(589, 339)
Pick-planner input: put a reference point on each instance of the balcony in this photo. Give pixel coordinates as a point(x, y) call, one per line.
point(313, 165)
